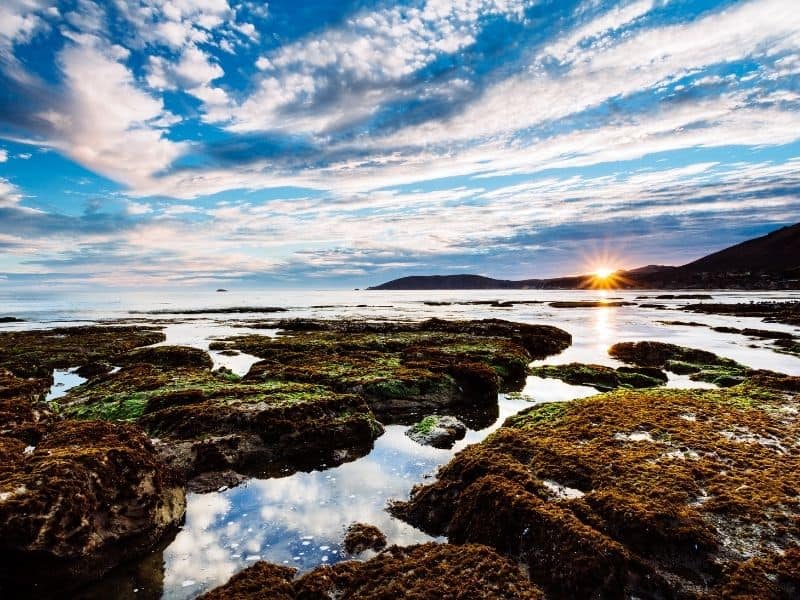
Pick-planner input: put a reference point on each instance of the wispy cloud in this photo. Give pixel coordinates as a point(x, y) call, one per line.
point(221, 139)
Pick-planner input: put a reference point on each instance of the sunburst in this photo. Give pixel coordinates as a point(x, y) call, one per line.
point(602, 270)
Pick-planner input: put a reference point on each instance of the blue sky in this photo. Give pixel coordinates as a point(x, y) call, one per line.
point(226, 142)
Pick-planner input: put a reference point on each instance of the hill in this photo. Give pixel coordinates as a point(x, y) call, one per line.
point(774, 252)
point(768, 262)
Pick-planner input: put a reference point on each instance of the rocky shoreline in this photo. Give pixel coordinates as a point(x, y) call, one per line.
point(640, 491)
point(98, 477)
point(649, 493)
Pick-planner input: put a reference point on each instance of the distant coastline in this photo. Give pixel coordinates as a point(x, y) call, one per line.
point(770, 262)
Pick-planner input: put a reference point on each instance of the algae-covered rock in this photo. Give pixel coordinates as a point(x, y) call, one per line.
point(361, 537)
point(84, 497)
point(19, 404)
point(700, 365)
point(601, 377)
point(168, 356)
point(314, 398)
point(36, 353)
point(669, 493)
point(262, 581)
point(404, 369)
point(93, 369)
point(590, 304)
point(540, 341)
point(437, 431)
point(770, 312)
point(210, 423)
point(424, 572)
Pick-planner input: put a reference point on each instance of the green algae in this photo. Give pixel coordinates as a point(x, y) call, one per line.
point(542, 414)
point(426, 425)
point(601, 377)
point(700, 365)
point(126, 408)
point(662, 481)
point(36, 353)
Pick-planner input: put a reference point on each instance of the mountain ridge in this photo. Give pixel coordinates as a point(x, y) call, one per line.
point(771, 261)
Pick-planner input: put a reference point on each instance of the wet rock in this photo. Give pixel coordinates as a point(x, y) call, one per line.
point(674, 492)
point(601, 377)
point(770, 312)
point(211, 311)
point(262, 581)
point(360, 537)
point(10, 320)
point(590, 304)
point(86, 497)
point(700, 365)
point(93, 369)
point(214, 481)
point(424, 572)
point(437, 431)
point(206, 423)
point(404, 369)
point(169, 356)
point(37, 353)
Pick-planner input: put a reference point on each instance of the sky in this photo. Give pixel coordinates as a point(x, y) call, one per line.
point(200, 143)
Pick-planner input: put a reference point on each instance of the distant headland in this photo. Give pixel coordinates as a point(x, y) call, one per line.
point(770, 262)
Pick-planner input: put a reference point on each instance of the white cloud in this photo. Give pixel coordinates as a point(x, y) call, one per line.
point(104, 121)
point(371, 50)
point(137, 208)
point(567, 47)
point(20, 20)
point(634, 63)
point(10, 195)
point(3, 155)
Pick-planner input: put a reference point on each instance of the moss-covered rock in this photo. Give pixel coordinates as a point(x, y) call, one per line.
point(168, 356)
point(601, 377)
point(404, 368)
point(650, 493)
point(700, 365)
point(425, 572)
point(770, 312)
point(437, 431)
point(77, 501)
point(36, 353)
point(209, 422)
point(361, 537)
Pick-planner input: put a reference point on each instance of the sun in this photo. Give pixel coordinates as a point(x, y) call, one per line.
point(601, 269)
point(605, 278)
point(603, 272)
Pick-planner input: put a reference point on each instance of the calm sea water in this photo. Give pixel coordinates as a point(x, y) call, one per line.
point(299, 520)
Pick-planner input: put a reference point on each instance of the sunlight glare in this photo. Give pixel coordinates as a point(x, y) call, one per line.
point(604, 272)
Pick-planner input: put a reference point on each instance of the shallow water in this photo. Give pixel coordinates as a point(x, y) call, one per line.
point(300, 519)
point(63, 381)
